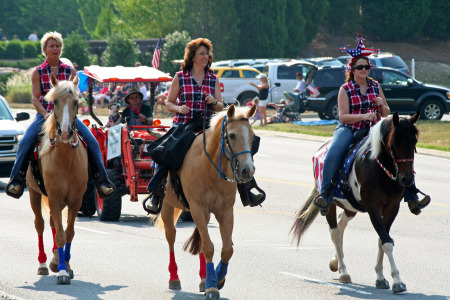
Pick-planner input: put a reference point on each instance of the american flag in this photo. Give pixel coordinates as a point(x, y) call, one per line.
point(156, 54)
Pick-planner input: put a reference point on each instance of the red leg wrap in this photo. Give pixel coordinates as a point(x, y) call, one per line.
point(173, 268)
point(54, 242)
point(42, 257)
point(202, 271)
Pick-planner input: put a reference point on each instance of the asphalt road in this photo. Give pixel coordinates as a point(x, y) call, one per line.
point(128, 259)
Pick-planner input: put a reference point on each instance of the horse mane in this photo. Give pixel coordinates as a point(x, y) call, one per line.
point(61, 90)
point(240, 112)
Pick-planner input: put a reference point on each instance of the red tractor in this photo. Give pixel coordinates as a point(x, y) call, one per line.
point(124, 148)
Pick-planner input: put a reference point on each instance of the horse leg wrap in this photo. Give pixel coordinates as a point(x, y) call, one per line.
point(221, 271)
point(42, 257)
point(173, 268)
point(202, 271)
point(211, 278)
point(54, 242)
point(67, 252)
point(62, 263)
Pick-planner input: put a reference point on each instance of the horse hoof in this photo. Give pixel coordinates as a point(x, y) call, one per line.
point(63, 277)
point(42, 271)
point(333, 265)
point(345, 279)
point(175, 284)
point(211, 294)
point(70, 272)
point(398, 288)
point(382, 284)
point(220, 284)
point(202, 285)
point(53, 267)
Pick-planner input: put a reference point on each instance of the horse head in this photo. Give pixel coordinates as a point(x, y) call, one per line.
point(401, 144)
point(64, 95)
point(238, 136)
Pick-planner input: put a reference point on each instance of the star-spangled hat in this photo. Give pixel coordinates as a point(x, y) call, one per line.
point(360, 50)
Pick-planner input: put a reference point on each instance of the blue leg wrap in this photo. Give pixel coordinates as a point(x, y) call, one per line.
point(221, 271)
point(211, 278)
point(62, 263)
point(67, 252)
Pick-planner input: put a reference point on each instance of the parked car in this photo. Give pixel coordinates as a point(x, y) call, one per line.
point(325, 61)
point(11, 133)
point(244, 62)
point(382, 60)
point(404, 94)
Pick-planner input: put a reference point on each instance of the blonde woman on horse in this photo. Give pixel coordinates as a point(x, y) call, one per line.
point(52, 46)
point(192, 88)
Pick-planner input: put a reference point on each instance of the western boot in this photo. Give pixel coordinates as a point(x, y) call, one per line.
point(153, 203)
point(105, 188)
point(16, 185)
point(247, 197)
point(324, 200)
point(414, 204)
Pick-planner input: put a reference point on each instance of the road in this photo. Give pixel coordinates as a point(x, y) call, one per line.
point(128, 259)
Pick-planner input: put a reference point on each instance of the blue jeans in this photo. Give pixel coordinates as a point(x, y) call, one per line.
point(342, 139)
point(32, 132)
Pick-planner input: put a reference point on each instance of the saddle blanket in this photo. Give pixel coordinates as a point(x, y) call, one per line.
point(318, 160)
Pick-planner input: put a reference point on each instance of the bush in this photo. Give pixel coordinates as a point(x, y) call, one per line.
point(174, 47)
point(14, 50)
point(2, 49)
point(77, 50)
point(121, 51)
point(29, 49)
point(18, 88)
point(3, 80)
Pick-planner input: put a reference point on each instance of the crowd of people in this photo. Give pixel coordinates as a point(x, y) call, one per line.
point(32, 37)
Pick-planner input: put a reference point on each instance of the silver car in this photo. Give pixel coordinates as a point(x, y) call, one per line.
point(11, 131)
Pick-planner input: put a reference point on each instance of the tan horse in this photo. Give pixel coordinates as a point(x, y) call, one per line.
point(208, 193)
point(63, 164)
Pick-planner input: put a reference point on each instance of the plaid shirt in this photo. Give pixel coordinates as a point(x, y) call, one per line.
point(361, 104)
point(193, 96)
point(45, 71)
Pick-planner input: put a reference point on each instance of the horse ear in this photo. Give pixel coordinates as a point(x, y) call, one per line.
point(53, 80)
point(230, 112)
point(75, 80)
point(414, 118)
point(395, 119)
point(251, 111)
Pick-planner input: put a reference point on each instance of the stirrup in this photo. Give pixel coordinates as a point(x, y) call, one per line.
point(150, 198)
point(319, 202)
point(15, 190)
point(101, 182)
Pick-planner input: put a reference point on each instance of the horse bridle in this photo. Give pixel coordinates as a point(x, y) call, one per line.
point(231, 155)
point(395, 162)
point(73, 128)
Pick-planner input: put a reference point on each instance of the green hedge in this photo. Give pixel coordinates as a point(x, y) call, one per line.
point(14, 50)
point(22, 64)
point(29, 49)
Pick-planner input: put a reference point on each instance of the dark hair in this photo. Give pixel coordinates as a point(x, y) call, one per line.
point(300, 74)
point(190, 50)
point(349, 73)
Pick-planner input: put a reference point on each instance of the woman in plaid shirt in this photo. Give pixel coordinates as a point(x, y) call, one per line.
point(192, 88)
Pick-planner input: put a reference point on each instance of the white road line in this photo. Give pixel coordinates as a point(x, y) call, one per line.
point(91, 230)
point(340, 286)
point(7, 296)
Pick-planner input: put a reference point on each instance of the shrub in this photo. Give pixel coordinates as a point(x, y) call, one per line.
point(14, 50)
point(2, 49)
point(29, 49)
point(121, 50)
point(174, 49)
point(18, 87)
point(77, 50)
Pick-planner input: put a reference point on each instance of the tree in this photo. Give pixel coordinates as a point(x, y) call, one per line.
point(347, 20)
point(406, 18)
point(265, 25)
point(314, 13)
point(121, 51)
point(438, 24)
point(89, 11)
point(77, 50)
point(174, 50)
point(295, 28)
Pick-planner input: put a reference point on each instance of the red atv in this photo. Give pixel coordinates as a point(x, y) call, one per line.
point(124, 148)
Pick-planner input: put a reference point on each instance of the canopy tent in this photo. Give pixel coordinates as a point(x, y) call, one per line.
point(126, 74)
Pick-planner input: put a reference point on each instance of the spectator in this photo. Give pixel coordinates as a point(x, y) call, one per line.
point(137, 64)
point(160, 100)
point(137, 113)
point(103, 95)
point(33, 37)
point(280, 117)
point(15, 37)
point(301, 84)
point(143, 90)
point(4, 39)
point(263, 89)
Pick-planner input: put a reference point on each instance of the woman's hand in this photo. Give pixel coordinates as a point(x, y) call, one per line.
point(369, 117)
point(379, 101)
point(183, 109)
point(210, 99)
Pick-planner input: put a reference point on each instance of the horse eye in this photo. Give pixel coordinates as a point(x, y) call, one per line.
point(232, 136)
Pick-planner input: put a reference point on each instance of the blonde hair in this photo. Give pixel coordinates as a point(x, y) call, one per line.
point(48, 36)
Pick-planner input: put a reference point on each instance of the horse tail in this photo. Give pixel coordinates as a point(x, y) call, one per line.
point(159, 223)
point(193, 243)
point(305, 217)
point(45, 206)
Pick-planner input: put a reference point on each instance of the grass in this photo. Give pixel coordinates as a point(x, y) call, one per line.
point(433, 134)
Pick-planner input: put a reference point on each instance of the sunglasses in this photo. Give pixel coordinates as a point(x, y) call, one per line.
point(360, 67)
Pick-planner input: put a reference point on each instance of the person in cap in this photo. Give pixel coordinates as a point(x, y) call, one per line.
point(137, 113)
point(263, 96)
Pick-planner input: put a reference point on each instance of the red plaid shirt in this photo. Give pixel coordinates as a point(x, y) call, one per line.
point(193, 95)
point(45, 71)
point(361, 104)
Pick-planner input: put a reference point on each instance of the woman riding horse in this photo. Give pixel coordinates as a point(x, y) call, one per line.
point(52, 46)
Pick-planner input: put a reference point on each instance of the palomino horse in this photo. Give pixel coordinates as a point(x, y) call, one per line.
point(382, 168)
point(63, 164)
point(228, 144)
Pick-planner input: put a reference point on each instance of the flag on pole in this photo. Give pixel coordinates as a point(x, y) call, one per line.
point(156, 54)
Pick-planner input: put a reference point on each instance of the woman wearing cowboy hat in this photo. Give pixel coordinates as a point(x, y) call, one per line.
point(137, 113)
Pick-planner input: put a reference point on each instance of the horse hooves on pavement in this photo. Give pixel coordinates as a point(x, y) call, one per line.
point(202, 285)
point(382, 284)
point(220, 284)
point(398, 288)
point(63, 277)
point(42, 271)
point(175, 284)
point(212, 294)
point(333, 265)
point(345, 279)
point(70, 272)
